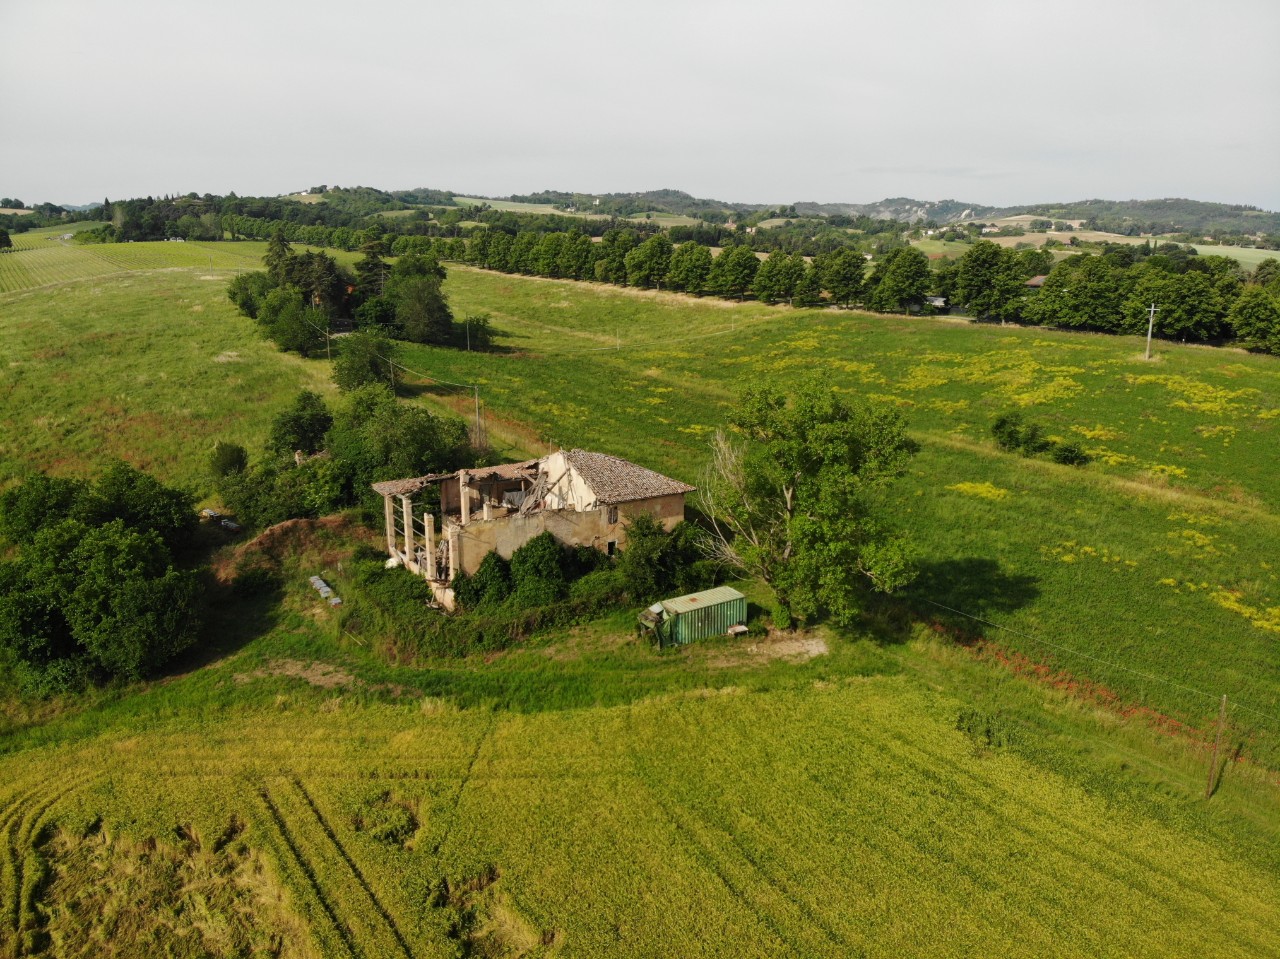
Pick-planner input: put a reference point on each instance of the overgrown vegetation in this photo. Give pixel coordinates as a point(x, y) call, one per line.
point(319, 460)
point(1013, 434)
point(95, 591)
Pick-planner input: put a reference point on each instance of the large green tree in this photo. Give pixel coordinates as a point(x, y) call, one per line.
point(843, 274)
point(1255, 318)
point(422, 308)
point(277, 257)
point(988, 282)
point(899, 281)
point(1083, 292)
point(733, 271)
point(795, 497)
point(648, 264)
point(364, 357)
point(778, 276)
point(690, 264)
point(301, 425)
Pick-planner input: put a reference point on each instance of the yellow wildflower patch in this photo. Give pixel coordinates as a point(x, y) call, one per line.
point(1233, 600)
point(1196, 396)
point(1163, 469)
point(1098, 432)
point(1109, 457)
point(1212, 431)
point(980, 490)
point(1195, 519)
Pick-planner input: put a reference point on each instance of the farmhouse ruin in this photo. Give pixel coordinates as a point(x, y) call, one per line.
point(581, 498)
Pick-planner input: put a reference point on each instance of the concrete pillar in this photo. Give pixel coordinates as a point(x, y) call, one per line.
point(429, 528)
point(391, 525)
point(455, 561)
point(464, 496)
point(406, 511)
point(487, 511)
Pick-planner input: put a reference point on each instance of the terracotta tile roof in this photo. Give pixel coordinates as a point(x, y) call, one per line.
point(407, 487)
point(503, 471)
point(506, 471)
point(615, 480)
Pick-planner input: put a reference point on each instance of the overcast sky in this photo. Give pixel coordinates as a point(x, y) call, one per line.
point(988, 101)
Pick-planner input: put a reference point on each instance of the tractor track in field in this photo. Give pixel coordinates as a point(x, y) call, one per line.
point(308, 872)
point(354, 869)
point(10, 821)
point(703, 852)
point(20, 824)
point(462, 785)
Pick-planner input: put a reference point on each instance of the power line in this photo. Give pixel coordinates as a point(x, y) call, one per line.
point(1098, 659)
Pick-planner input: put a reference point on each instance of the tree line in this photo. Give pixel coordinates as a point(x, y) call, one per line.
point(1200, 299)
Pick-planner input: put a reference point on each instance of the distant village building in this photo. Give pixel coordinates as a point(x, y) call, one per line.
point(1037, 281)
point(581, 498)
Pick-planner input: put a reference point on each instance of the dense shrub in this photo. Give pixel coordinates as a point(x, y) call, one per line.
point(1014, 435)
point(94, 590)
point(369, 436)
point(25, 509)
point(656, 563)
point(1069, 454)
point(491, 586)
point(538, 572)
point(300, 426)
point(227, 458)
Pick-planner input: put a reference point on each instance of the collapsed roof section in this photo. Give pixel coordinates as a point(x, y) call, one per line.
point(613, 480)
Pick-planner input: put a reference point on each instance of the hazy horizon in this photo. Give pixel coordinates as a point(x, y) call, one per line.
point(992, 103)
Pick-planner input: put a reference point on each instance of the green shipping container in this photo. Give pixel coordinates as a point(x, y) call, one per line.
point(699, 615)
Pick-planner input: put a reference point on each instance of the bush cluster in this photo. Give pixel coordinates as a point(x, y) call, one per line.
point(1015, 435)
point(94, 591)
point(368, 437)
point(544, 584)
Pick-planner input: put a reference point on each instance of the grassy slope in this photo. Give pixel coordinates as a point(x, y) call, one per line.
point(607, 785)
point(1159, 557)
point(151, 367)
point(812, 809)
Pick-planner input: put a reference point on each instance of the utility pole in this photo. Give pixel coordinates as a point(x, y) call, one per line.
point(1151, 325)
point(468, 322)
point(328, 339)
point(478, 436)
point(1217, 745)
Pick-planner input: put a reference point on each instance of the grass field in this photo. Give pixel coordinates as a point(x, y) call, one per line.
point(515, 206)
point(1249, 258)
point(288, 790)
point(152, 366)
point(665, 219)
point(1158, 557)
point(582, 796)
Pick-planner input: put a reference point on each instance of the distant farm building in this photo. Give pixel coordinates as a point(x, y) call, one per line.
point(1036, 281)
point(581, 498)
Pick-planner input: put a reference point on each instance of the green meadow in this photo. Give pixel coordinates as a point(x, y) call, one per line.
point(930, 785)
point(1156, 565)
point(151, 367)
point(584, 796)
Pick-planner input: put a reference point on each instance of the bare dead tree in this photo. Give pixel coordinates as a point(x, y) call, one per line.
point(748, 526)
